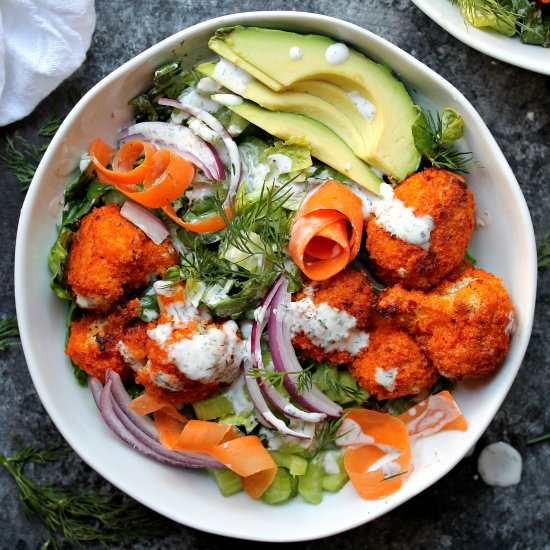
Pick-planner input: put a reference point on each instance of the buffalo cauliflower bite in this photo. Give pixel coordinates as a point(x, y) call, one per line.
point(463, 325)
point(109, 256)
point(95, 342)
point(189, 356)
point(328, 318)
point(445, 198)
point(393, 365)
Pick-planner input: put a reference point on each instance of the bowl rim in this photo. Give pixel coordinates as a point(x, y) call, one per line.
point(25, 223)
point(507, 49)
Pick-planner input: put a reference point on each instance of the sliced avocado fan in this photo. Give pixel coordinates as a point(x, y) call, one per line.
point(287, 61)
point(323, 143)
point(227, 74)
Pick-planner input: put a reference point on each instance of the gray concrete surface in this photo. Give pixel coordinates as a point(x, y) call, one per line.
point(459, 511)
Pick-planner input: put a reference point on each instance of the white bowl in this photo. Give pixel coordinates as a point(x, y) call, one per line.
point(505, 48)
point(506, 247)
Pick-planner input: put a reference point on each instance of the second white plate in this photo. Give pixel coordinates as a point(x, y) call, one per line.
point(498, 46)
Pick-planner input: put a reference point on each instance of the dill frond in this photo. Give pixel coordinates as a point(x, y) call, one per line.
point(328, 378)
point(538, 439)
point(441, 155)
point(22, 157)
point(543, 252)
point(9, 333)
point(328, 433)
point(83, 518)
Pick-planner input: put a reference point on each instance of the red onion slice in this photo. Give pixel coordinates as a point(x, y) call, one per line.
point(182, 141)
point(214, 124)
point(285, 360)
point(120, 423)
point(152, 226)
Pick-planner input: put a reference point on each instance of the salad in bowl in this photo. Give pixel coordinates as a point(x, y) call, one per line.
point(274, 283)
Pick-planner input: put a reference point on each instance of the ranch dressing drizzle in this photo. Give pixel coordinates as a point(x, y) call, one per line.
point(386, 378)
point(336, 54)
point(327, 327)
point(499, 464)
point(231, 76)
point(366, 109)
point(395, 217)
point(295, 53)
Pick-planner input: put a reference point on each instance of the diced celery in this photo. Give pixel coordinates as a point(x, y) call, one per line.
point(228, 481)
point(280, 488)
point(310, 484)
point(334, 482)
point(295, 464)
point(213, 407)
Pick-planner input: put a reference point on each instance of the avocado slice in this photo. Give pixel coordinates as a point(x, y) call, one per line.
point(266, 55)
point(299, 102)
point(323, 143)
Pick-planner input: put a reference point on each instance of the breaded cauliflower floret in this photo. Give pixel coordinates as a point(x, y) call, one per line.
point(189, 357)
point(96, 341)
point(329, 317)
point(393, 365)
point(444, 197)
point(110, 256)
point(463, 325)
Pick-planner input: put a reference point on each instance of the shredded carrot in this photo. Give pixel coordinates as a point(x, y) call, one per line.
point(326, 233)
point(245, 455)
point(161, 177)
point(201, 436)
point(214, 223)
point(378, 461)
point(437, 413)
point(147, 404)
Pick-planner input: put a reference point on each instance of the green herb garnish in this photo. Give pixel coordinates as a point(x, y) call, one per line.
point(84, 518)
point(22, 156)
point(538, 439)
point(433, 135)
point(543, 252)
point(9, 333)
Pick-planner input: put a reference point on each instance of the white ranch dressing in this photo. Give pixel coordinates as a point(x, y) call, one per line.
point(330, 462)
point(213, 356)
point(295, 53)
point(336, 54)
point(327, 327)
point(386, 377)
point(283, 163)
point(396, 218)
point(231, 76)
point(365, 107)
point(208, 85)
point(499, 464)
point(229, 100)
point(191, 96)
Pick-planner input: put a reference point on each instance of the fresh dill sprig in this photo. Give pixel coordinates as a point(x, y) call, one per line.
point(394, 475)
point(328, 378)
point(538, 439)
point(328, 433)
point(543, 252)
point(50, 128)
point(83, 518)
point(276, 378)
point(9, 333)
point(22, 157)
point(433, 135)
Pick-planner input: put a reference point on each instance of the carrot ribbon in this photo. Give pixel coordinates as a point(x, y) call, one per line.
point(244, 455)
point(326, 233)
point(160, 178)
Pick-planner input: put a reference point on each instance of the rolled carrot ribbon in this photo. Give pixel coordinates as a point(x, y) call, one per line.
point(326, 233)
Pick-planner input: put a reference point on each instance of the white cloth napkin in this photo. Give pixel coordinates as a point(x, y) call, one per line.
point(42, 42)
